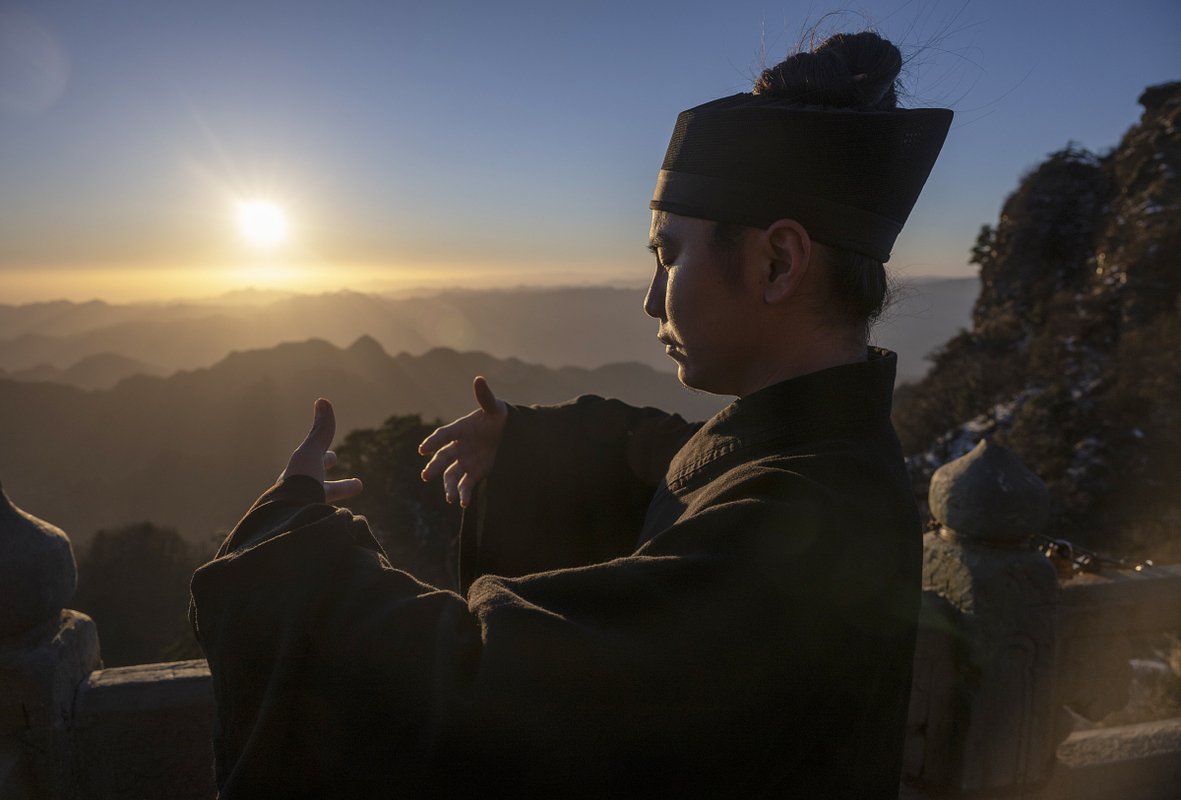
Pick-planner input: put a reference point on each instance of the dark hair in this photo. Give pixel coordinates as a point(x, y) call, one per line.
point(847, 70)
point(855, 71)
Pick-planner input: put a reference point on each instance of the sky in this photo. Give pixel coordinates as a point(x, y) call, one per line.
point(477, 143)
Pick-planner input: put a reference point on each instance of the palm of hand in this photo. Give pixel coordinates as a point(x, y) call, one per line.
point(464, 451)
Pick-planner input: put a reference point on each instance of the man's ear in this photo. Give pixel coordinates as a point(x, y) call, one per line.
point(788, 254)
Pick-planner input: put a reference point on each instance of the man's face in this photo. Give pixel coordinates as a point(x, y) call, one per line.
point(700, 296)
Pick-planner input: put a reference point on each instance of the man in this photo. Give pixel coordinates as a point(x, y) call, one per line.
point(647, 607)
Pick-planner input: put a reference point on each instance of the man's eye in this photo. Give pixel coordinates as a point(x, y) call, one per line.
point(662, 261)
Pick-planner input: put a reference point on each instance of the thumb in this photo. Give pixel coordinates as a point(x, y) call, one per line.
point(308, 458)
point(484, 395)
point(323, 430)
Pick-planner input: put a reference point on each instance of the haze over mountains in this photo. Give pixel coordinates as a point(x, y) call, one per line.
point(584, 326)
point(110, 415)
point(192, 450)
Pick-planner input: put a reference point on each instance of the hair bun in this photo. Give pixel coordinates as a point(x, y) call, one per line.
point(847, 70)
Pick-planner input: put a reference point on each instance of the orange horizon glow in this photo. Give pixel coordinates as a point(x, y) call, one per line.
point(189, 283)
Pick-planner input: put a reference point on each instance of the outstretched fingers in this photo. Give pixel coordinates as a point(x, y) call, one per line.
point(442, 459)
point(465, 489)
point(451, 478)
point(441, 436)
point(462, 451)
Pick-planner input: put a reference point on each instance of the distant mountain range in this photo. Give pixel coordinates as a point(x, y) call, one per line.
point(99, 371)
point(94, 435)
point(193, 449)
point(557, 327)
point(924, 314)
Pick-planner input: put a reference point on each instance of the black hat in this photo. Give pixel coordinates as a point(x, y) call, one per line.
point(849, 177)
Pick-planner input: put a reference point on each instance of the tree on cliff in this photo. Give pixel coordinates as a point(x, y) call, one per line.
point(134, 582)
point(1071, 359)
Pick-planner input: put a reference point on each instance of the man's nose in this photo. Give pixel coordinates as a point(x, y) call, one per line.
point(654, 300)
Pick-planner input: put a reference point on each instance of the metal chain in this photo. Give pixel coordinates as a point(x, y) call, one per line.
point(1068, 555)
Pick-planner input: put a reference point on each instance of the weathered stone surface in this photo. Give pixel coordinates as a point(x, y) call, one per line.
point(145, 731)
point(1101, 614)
point(37, 686)
point(989, 494)
point(1127, 602)
point(37, 571)
point(975, 579)
point(938, 694)
point(1130, 762)
point(998, 716)
point(1106, 745)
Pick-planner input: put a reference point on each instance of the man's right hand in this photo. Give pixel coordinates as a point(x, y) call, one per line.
point(465, 450)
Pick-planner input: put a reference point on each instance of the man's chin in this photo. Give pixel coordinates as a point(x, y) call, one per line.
point(694, 383)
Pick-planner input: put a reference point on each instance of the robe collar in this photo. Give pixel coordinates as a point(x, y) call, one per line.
point(804, 408)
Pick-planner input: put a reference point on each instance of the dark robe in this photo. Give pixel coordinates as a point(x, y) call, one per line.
point(743, 628)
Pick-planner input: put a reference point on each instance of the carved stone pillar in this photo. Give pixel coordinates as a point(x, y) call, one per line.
point(45, 653)
point(985, 666)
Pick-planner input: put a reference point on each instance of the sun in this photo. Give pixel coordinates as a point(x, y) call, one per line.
point(262, 223)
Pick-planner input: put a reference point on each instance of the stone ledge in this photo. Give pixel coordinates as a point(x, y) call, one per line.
point(1122, 602)
point(144, 687)
point(145, 732)
point(1131, 762)
point(1142, 740)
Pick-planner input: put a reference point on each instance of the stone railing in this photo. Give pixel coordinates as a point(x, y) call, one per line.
point(1004, 647)
point(144, 731)
point(68, 728)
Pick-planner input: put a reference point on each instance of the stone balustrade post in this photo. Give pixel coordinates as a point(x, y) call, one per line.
point(985, 715)
point(46, 651)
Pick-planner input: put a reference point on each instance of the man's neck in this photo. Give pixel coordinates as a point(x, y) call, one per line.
point(823, 353)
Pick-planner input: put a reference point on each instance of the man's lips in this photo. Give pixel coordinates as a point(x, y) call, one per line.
point(671, 348)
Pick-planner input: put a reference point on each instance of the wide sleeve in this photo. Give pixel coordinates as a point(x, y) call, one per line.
point(691, 666)
point(570, 486)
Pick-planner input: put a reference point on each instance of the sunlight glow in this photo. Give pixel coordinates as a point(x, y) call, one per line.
point(269, 276)
point(166, 282)
point(262, 223)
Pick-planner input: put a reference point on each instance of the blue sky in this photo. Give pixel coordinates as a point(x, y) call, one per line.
point(477, 143)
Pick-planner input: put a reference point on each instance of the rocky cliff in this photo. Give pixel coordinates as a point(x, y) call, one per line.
point(1072, 360)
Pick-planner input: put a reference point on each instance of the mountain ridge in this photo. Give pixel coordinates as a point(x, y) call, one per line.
point(580, 326)
point(192, 449)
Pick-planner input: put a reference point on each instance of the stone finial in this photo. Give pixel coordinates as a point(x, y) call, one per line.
point(989, 495)
point(37, 571)
point(988, 715)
